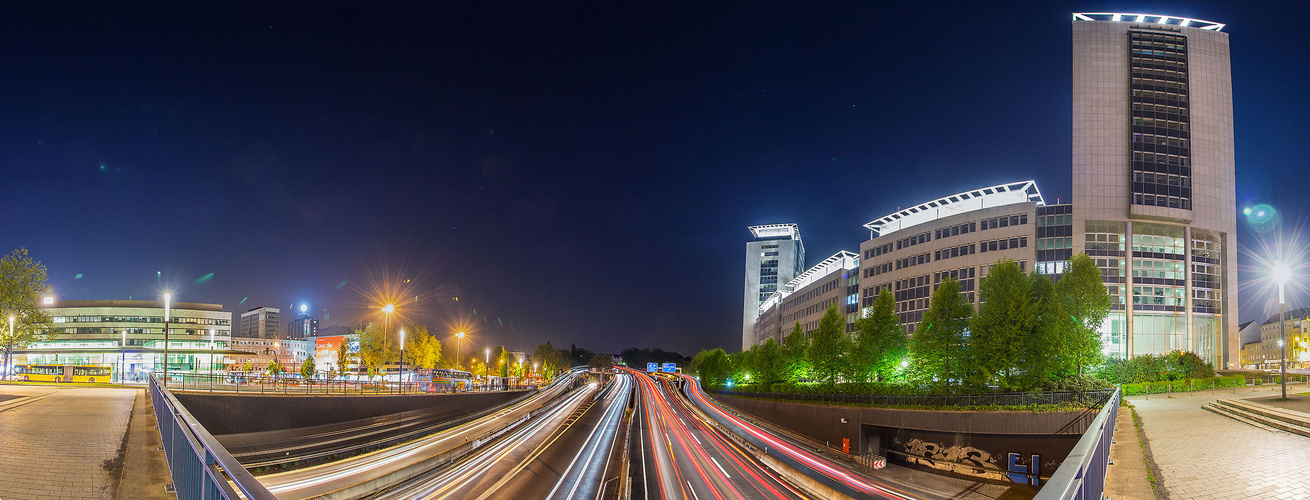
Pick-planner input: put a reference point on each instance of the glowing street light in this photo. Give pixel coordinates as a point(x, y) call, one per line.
point(211, 359)
point(1281, 273)
point(10, 350)
point(168, 302)
point(459, 339)
point(386, 332)
point(486, 368)
point(402, 360)
point(122, 360)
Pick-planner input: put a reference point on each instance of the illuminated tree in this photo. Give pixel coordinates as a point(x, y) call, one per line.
point(421, 349)
point(794, 349)
point(1003, 324)
point(22, 288)
point(937, 349)
point(307, 368)
point(343, 355)
point(828, 346)
point(1085, 299)
point(880, 342)
point(375, 350)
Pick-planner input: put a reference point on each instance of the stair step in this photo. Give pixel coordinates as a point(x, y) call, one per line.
point(1236, 415)
point(1290, 416)
point(1244, 412)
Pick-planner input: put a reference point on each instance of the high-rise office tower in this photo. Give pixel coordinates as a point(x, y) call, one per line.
point(774, 256)
point(260, 323)
point(303, 326)
point(1153, 180)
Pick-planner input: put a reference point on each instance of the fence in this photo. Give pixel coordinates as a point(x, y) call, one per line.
point(1082, 475)
point(292, 385)
point(201, 468)
point(1096, 397)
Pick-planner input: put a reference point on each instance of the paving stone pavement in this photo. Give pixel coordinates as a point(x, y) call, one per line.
point(1206, 456)
point(54, 448)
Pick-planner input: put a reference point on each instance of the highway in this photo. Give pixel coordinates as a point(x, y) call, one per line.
point(681, 456)
point(565, 454)
point(375, 468)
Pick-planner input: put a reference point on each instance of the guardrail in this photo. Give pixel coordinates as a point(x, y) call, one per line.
point(999, 399)
point(200, 467)
point(1082, 475)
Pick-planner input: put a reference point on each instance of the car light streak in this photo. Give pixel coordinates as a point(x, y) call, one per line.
point(594, 442)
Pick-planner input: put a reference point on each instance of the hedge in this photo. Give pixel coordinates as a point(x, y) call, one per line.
point(1187, 385)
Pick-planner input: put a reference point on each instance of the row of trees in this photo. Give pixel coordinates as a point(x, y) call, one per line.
point(22, 286)
point(1029, 333)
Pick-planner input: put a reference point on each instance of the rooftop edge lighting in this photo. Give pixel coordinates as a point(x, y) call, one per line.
point(1141, 18)
point(973, 199)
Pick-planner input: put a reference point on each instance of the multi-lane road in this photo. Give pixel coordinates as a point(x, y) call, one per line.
point(624, 435)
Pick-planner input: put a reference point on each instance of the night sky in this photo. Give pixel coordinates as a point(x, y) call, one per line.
point(578, 172)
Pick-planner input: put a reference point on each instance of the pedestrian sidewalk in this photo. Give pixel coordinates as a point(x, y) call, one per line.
point(1128, 477)
point(1202, 455)
point(146, 473)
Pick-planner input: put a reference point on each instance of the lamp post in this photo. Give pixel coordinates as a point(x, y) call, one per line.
point(486, 368)
point(9, 350)
point(122, 360)
point(211, 359)
point(402, 360)
point(386, 329)
point(1281, 274)
point(168, 301)
point(459, 339)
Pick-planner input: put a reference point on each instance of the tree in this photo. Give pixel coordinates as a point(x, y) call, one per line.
point(274, 368)
point(343, 355)
point(22, 287)
point(502, 362)
point(1087, 302)
point(794, 349)
point(937, 348)
point(713, 367)
point(828, 346)
point(1003, 324)
point(421, 349)
point(549, 360)
point(307, 368)
point(880, 343)
point(375, 349)
point(601, 362)
point(248, 368)
point(768, 363)
point(1043, 359)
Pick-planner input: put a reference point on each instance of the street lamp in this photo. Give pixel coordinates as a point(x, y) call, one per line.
point(486, 368)
point(122, 360)
point(211, 359)
point(168, 301)
point(402, 360)
point(9, 351)
point(1282, 272)
point(459, 339)
point(386, 311)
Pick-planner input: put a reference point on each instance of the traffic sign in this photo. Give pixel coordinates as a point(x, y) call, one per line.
point(652, 367)
point(670, 367)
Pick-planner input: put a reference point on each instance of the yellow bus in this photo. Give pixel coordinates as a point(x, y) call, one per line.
point(64, 373)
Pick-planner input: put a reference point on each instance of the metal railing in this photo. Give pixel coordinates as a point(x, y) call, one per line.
point(293, 385)
point(200, 467)
point(1095, 397)
point(1082, 474)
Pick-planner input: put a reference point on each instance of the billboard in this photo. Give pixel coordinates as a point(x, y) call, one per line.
point(670, 367)
point(325, 350)
point(652, 367)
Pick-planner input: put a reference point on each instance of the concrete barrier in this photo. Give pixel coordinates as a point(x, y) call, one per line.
point(246, 413)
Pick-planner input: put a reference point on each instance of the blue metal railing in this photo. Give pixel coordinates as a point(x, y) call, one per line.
point(1082, 475)
point(201, 468)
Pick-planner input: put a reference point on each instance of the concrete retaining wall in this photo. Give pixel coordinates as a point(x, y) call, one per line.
point(978, 439)
point(243, 413)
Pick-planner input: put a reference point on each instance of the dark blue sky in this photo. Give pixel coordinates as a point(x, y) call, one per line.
point(584, 172)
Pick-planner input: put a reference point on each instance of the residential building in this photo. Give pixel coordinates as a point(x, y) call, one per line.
point(129, 336)
point(260, 323)
point(1153, 180)
point(774, 256)
point(1294, 332)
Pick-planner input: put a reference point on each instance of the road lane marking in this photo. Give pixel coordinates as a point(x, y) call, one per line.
point(725, 473)
point(693, 491)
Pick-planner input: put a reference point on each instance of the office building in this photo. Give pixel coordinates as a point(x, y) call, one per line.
point(1153, 180)
point(258, 353)
point(961, 236)
point(260, 323)
point(807, 297)
point(128, 335)
point(1154, 203)
point(774, 256)
point(304, 326)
